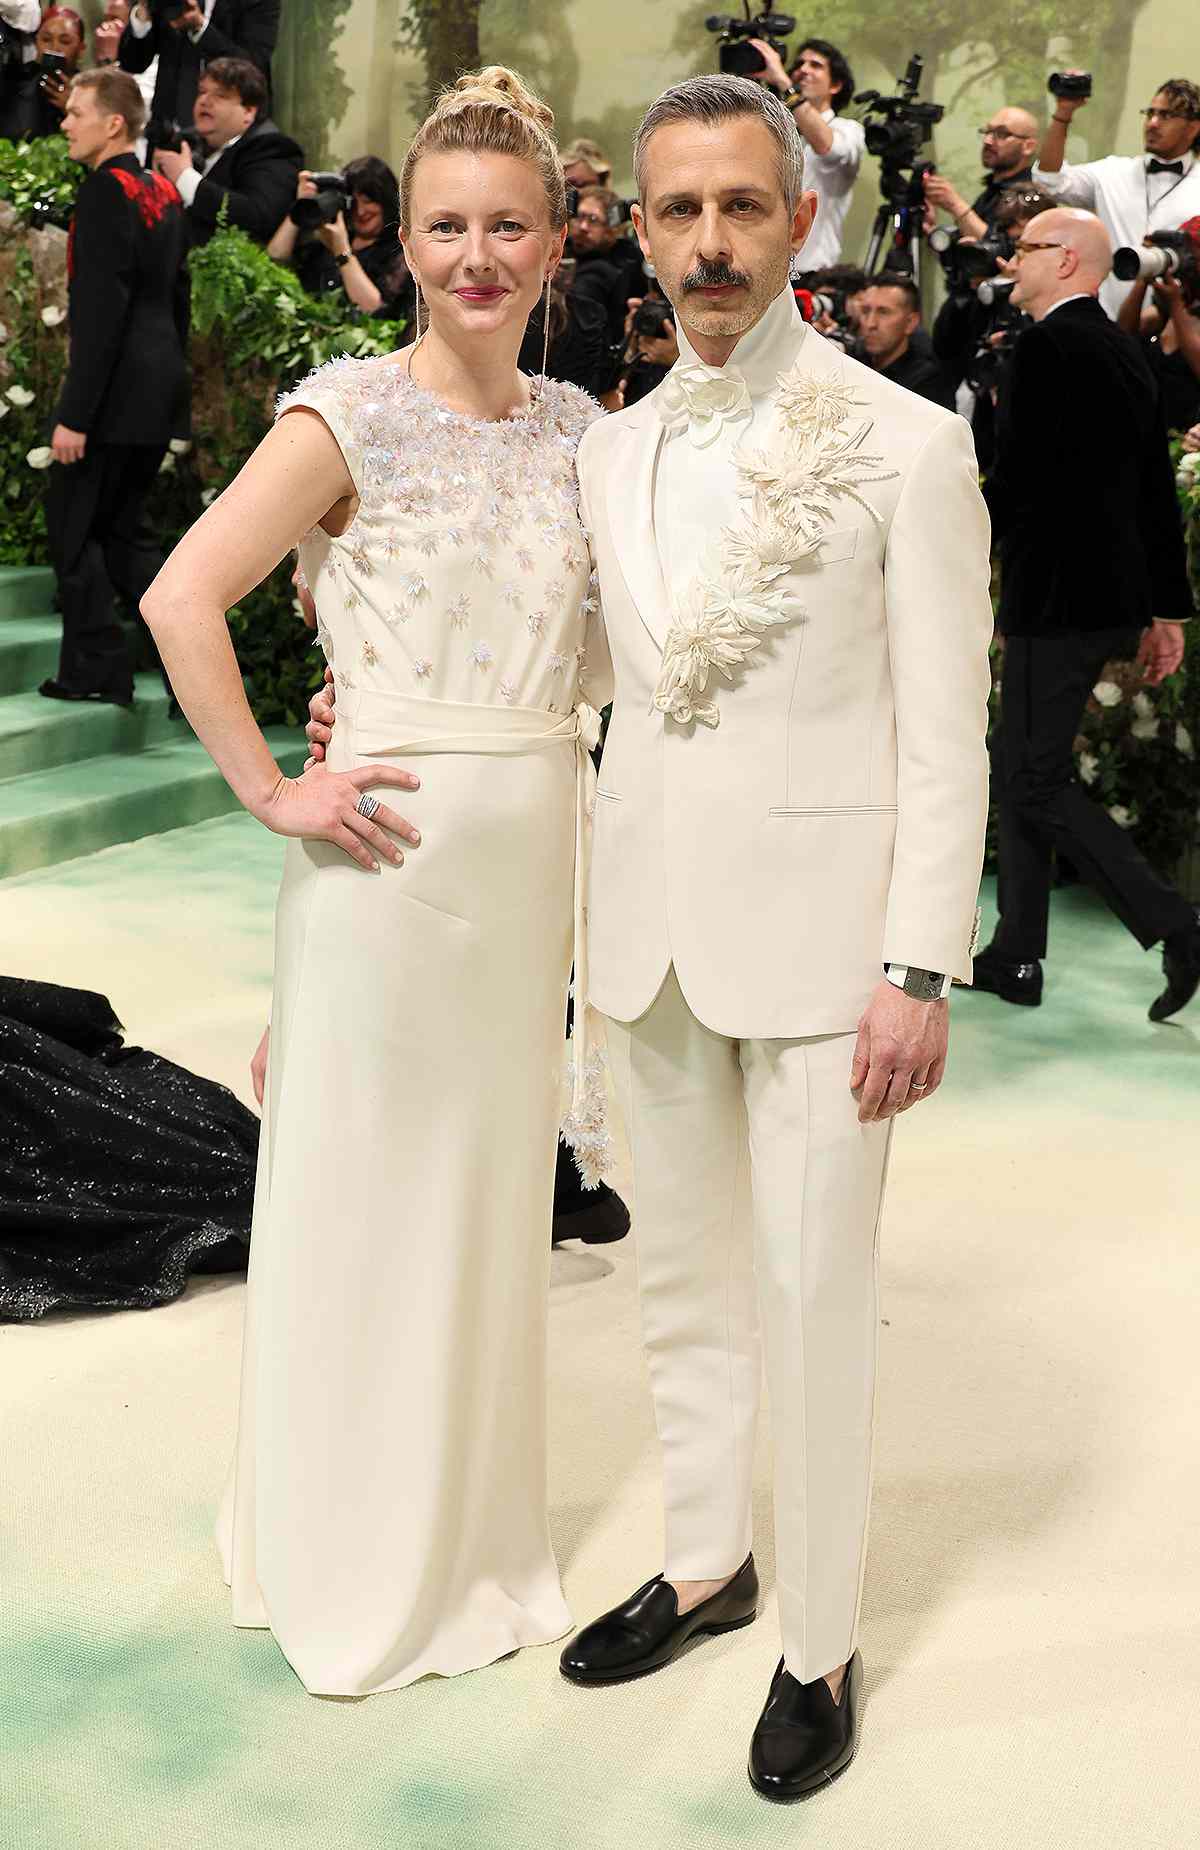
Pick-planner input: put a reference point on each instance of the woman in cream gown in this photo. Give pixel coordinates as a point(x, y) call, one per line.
point(385, 1514)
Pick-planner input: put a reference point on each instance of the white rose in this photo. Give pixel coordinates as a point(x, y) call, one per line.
point(167, 465)
point(208, 496)
point(40, 458)
point(1089, 765)
point(52, 315)
point(1121, 816)
point(1107, 693)
point(1183, 741)
point(20, 396)
point(1143, 706)
point(180, 446)
point(1144, 729)
point(1189, 462)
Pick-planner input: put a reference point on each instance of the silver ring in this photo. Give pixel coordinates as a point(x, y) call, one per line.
point(913, 1086)
point(367, 805)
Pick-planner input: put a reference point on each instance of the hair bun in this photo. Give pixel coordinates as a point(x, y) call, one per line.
point(498, 85)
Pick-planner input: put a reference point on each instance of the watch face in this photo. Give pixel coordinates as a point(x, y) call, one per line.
point(924, 985)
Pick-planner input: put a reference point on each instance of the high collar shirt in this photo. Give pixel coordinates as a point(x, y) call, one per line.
point(1129, 200)
point(831, 177)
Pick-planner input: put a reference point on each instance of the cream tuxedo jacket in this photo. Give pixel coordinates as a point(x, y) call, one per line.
point(835, 817)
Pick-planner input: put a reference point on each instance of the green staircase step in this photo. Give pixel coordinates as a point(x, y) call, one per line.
point(26, 591)
point(74, 809)
point(36, 734)
point(28, 652)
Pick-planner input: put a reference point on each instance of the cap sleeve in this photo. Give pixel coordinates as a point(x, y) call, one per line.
point(334, 396)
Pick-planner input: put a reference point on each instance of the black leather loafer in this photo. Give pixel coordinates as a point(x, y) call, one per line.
point(1181, 967)
point(1020, 983)
point(647, 1630)
point(55, 690)
point(597, 1218)
point(804, 1739)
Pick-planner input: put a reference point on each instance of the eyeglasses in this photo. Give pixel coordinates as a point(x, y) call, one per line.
point(1023, 249)
point(1168, 115)
point(991, 133)
point(589, 218)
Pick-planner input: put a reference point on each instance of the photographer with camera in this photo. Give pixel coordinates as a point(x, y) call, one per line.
point(126, 386)
point(35, 99)
point(107, 42)
point(1008, 146)
point(247, 165)
point(1092, 567)
point(1154, 191)
point(608, 265)
point(187, 35)
point(816, 90)
point(19, 21)
point(586, 164)
point(651, 349)
point(889, 315)
point(1167, 326)
point(342, 234)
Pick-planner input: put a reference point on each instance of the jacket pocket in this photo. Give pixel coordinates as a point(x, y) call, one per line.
point(836, 546)
point(833, 809)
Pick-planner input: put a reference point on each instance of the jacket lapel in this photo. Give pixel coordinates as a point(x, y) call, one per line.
point(629, 494)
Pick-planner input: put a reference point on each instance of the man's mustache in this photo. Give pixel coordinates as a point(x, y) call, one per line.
point(714, 276)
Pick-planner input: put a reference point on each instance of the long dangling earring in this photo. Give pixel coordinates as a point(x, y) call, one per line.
point(545, 330)
point(421, 331)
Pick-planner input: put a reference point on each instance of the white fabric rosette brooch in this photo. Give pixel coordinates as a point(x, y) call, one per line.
point(703, 399)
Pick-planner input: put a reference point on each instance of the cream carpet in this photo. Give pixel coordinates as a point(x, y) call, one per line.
point(1030, 1622)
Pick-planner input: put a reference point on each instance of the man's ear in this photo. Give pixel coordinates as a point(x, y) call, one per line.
point(639, 225)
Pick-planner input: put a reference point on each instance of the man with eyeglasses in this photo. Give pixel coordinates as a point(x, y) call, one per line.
point(1131, 195)
point(1092, 569)
point(1008, 144)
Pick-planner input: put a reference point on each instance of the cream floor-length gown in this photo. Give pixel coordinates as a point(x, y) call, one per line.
point(385, 1513)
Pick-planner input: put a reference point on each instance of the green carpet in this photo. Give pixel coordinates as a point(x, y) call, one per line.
point(1029, 1626)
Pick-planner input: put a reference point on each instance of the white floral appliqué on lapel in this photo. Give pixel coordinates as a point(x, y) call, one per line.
point(793, 487)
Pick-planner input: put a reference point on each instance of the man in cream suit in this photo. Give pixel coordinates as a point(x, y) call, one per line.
point(793, 565)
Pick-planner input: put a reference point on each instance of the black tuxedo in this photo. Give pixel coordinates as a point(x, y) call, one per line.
point(257, 177)
point(126, 389)
point(1091, 547)
point(236, 29)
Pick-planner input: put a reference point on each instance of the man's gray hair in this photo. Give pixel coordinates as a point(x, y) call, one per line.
point(719, 98)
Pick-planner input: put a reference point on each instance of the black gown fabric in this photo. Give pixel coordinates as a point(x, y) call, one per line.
point(121, 1174)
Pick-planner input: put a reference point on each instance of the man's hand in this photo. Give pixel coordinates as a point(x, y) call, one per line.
point(775, 74)
point(663, 351)
point(900, 1055)
point(190, 20)
point(258, 1065)
point(306, 600)
point(319, 729)
point(1160, 651)
point(939, 192)
point(68, 445)
point(108, 40)
point(1191, 438)
point(170, 164)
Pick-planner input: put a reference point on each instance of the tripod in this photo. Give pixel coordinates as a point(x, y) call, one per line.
point(899, 226)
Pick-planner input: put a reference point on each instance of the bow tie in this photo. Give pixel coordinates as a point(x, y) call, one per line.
point(703, 400)
point(1164, 166)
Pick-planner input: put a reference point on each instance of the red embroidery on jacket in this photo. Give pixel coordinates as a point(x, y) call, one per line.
point(151, 193)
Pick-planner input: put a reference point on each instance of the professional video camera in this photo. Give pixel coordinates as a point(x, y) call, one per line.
point(1074, 85)
point(897, 128)
point(966, 262)
point(1170, 253)
point(650, 317)
point(735, 55)
point(997, 335)
point(332, 196)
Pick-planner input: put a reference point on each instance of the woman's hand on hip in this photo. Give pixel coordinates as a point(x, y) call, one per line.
point(321, 806)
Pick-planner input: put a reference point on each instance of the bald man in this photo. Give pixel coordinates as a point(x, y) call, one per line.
point(1008, 146)
point(1092, 569)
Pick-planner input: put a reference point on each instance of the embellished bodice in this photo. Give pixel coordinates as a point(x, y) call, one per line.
point(464, 574)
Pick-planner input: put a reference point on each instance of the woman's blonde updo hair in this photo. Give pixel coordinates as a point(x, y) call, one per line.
point(491, 112)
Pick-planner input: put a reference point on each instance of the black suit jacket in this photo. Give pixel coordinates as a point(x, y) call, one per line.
point(236, 29)
point(257, 176)
point(127, 378)
point(1082, 495)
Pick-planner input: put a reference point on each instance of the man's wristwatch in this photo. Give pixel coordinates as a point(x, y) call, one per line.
point(921, 985)
point(343, 258)
point(792, 97)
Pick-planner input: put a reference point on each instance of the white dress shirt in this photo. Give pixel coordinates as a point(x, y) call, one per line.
point(695, 477)
point(1128, 199)
point(831, 177)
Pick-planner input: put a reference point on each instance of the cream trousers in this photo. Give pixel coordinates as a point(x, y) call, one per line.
point(756, 1205)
